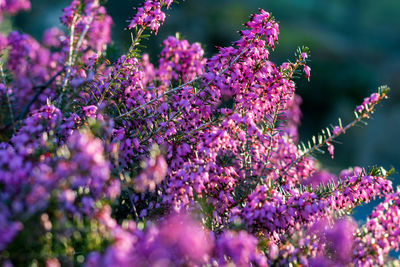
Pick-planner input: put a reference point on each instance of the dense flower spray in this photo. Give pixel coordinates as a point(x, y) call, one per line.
point(192, 161)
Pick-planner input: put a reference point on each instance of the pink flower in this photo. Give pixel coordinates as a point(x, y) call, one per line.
point(331, 148)
point(307, 71)
point(150, 15)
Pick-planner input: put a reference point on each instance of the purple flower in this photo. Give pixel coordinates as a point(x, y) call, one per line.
point(13, 6)
point(340, 240)
point(238, 249)
point(177, 241)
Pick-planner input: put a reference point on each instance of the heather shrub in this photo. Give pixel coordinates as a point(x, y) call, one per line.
point(192, 161)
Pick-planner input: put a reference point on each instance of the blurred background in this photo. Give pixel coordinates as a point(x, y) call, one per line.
point(355, 47)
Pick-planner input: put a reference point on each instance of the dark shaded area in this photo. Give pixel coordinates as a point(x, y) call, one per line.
point(355, 47)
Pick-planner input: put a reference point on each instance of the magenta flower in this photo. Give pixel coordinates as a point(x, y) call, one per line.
point(150, 15)
point(307, 71)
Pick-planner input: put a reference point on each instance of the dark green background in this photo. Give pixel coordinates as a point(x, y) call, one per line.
point(355, 47)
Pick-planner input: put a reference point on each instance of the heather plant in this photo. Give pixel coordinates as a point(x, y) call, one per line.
point(192, 161)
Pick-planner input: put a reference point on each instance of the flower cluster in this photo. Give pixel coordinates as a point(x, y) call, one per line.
point(272, 211)
point(13, 6)
point(31, 66)
point(180, 61)
point(150, 15)
point(380, 234)
point(176, 241)
point(190, 161)
point(89, 17)
point(369, 103)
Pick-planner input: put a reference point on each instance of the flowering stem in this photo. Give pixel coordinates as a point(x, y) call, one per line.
point(318, 146)
point(74, 55)
point(364, 114)
point(272, 129)
point(198, 92)
point(113, 78)
point(185, 84)
point(207, 124)
point(81, 38)
point(159, 97)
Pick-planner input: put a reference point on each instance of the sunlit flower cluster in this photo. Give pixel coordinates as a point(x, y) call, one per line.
point(190, 161)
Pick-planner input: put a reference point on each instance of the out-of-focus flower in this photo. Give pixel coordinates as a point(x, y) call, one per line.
point(154, 171)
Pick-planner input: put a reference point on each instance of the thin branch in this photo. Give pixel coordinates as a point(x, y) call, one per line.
point(40, 88)
point(70, 59)
point(8, 98)
point(207, 124)
point(81, 38)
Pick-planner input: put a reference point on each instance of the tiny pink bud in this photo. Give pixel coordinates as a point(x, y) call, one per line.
point(336, 130)
point(331, 148)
